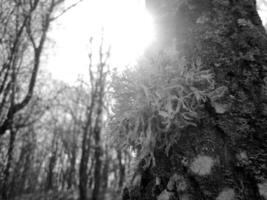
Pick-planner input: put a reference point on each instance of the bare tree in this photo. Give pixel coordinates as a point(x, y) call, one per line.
point(94, 121)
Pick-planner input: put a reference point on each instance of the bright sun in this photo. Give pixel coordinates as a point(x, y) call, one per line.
point(127, 26)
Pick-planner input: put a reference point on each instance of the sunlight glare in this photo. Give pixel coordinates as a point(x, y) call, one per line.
point(128, 29)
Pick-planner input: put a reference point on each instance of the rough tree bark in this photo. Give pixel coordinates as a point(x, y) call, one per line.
point(225, 156)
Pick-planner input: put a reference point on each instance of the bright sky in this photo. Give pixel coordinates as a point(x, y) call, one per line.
point(263, 13)
point(128, 28)
point(127, 25)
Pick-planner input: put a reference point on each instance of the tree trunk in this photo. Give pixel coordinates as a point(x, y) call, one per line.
point(98, 128)
point(105, 171)
point(86, 148)
point(6, 181)
point(26, 170)
point(22, 169)
point(98, 165)
point(52, 163)
point(50, 173)
point(121, 169)
point(225, 156)
point(71, 172)
point(73, 156)
point(83, 175)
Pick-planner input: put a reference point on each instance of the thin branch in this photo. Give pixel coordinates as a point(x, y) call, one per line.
point(65, 10)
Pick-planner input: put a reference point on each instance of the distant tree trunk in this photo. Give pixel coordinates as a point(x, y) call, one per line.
point(105, 171)
point(50, 173)
point(21, 169)
point(71, 172)
point(225, 156)
point(51, 164)
point(90, 173)
point(100, 86)
point(83, 174)
point(70, 176)
point(6, 182)
point(26, 169)
point(94, 123)
point(86, 148)
point(83, 179)
point(121, 169)
point(98, 162)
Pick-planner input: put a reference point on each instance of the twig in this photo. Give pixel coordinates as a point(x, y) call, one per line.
point(65, 10)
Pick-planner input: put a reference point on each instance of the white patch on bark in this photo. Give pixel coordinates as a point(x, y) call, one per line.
point(137, 180)
point(263, 189)
point(242, 156)
point(171, 184)
point(226, 194)
point(177, 182)
point(185, 197)
point(157, 181)
point(165, 195)
point(181, 185)
point(202, 165)
point(220, 108)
